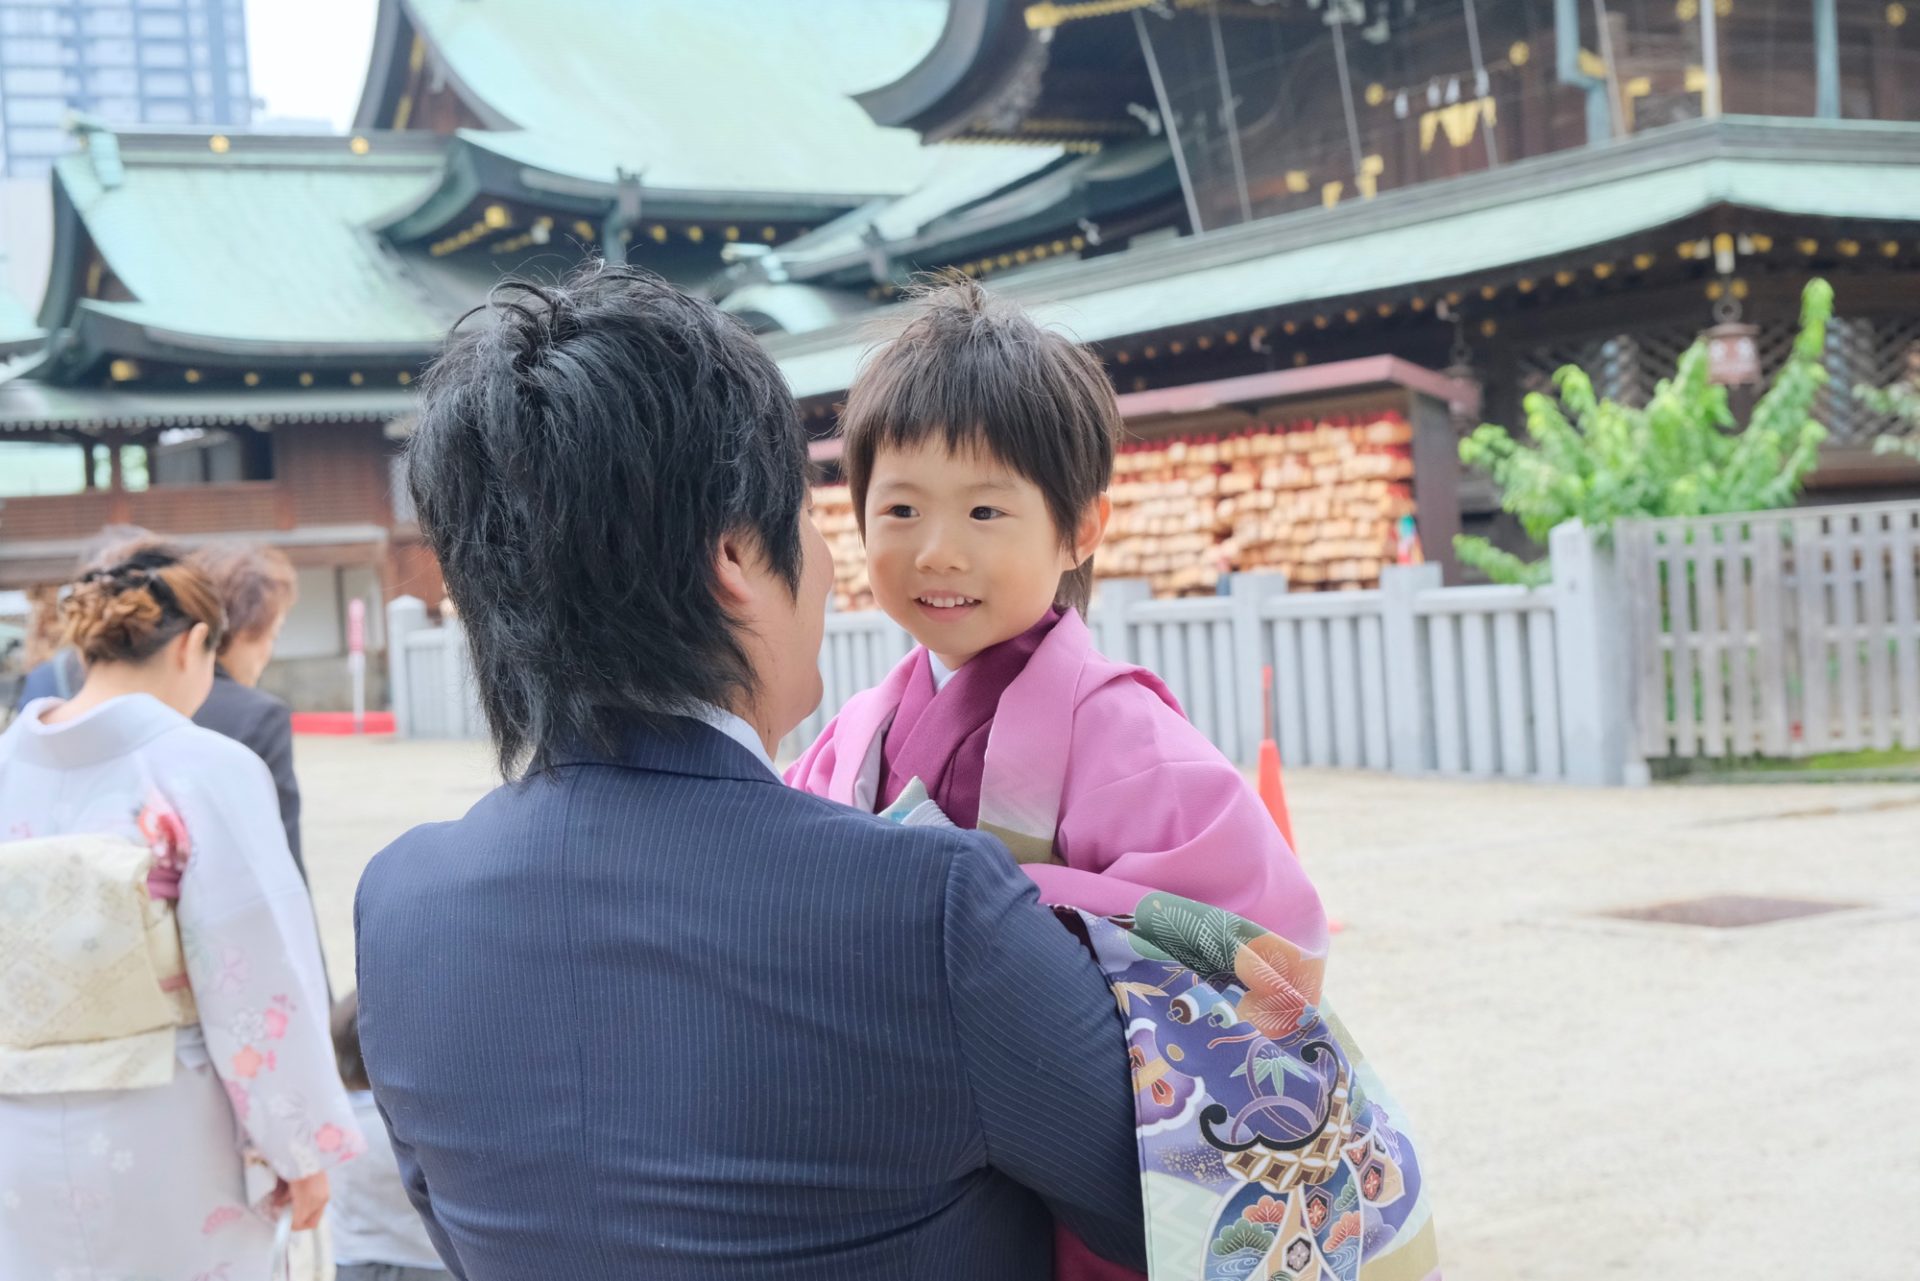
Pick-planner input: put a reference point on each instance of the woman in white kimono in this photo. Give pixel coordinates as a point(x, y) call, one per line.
point(180, 1176)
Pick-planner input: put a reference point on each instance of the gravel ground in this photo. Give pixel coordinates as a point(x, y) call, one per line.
point(1595, 1097)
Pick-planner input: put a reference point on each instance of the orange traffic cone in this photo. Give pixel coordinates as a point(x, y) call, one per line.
point(1273, 792)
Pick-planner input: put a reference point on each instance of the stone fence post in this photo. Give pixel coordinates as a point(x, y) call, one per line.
point(1246, 594)
point(405, 615)
point(1404, 655)
point(1592, 630)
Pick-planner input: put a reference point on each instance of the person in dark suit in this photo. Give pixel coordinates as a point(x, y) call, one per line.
point(644, 1011)
point(257, 585)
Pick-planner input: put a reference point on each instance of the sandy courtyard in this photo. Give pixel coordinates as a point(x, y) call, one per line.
point(1594, 1097)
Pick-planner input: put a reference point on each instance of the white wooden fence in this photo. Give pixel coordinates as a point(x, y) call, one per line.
point(1415, 678)
point(1782, 633)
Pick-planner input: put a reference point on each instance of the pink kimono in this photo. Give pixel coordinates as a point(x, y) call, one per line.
point(1105, 792)
point(1102, 789)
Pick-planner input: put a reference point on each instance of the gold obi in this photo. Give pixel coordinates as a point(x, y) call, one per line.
point(90, 965)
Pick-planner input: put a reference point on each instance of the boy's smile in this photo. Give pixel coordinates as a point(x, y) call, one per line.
point(944, 606)
point(962, 551)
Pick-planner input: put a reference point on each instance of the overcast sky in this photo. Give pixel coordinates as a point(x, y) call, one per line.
point(310, 56)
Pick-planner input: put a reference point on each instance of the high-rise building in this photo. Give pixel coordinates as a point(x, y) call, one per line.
point(129, 62)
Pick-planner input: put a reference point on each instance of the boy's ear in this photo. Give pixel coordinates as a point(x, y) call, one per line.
point(1093, 528)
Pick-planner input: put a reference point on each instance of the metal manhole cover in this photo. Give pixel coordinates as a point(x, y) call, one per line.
point(1729, 911)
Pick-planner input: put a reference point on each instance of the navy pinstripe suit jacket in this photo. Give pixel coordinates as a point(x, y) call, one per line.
point(663, 1017)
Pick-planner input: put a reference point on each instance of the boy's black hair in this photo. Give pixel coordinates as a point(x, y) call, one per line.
point(980, 374)
point(575, 462)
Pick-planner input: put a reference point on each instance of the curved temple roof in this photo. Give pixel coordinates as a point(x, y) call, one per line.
point(702, 97)
point(1480, 223)
point(257, 247)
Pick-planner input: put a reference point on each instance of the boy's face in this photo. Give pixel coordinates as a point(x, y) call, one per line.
point(961, 550)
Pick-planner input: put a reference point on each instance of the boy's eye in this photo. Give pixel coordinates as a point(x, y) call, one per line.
point(899, 510)
point(985, 513)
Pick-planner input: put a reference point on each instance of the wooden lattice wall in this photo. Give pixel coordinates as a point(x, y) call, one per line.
point(1626, 367)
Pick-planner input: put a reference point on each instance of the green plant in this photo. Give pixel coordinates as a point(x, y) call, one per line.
point(1902, 401)
point(1595, 460)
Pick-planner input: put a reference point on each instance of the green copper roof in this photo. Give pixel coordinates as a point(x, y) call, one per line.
point(1536, 210)
point(697, 96)
point(261, 246)
point(26, 405)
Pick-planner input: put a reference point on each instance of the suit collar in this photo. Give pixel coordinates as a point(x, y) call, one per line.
point(675, 745)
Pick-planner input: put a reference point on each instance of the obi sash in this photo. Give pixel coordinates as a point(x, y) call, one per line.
point(96, 983)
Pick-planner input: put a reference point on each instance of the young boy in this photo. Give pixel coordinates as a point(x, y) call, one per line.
point(979, 448)
point(377, 1234)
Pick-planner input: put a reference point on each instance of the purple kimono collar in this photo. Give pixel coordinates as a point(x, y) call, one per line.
point(940, 735)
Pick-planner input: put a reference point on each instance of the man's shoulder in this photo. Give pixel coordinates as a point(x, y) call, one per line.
point(851, 847)
point(242, 712)
point(828, 823)
point(42, 681)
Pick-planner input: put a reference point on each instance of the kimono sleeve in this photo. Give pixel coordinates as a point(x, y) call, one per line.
point(253, 960)
point(1192, 827)
point(813, 772)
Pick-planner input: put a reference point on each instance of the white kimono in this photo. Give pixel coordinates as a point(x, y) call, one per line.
point(149, 1184)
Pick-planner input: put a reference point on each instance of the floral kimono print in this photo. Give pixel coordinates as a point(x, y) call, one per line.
point(1269, 1150)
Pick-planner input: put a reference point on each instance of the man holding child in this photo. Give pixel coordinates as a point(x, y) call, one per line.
point(647, 1011)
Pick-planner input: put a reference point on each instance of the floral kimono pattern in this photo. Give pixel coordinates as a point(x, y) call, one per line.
point(1269, 1150)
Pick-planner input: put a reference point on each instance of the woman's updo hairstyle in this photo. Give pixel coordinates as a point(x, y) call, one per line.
point(127, 612)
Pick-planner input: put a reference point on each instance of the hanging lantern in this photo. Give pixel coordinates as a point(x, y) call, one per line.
point(1733, 354)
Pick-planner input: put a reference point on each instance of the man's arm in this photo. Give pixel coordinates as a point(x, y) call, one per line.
point(416, 1185)
point(272, 739)
point(412, 1178)
point(1044, 1050)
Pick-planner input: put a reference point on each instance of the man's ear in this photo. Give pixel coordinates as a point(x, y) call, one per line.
point(1092, 529)
point(733, 557)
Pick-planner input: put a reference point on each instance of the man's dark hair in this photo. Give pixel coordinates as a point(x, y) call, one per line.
point(575, 462)
point(979, 374)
